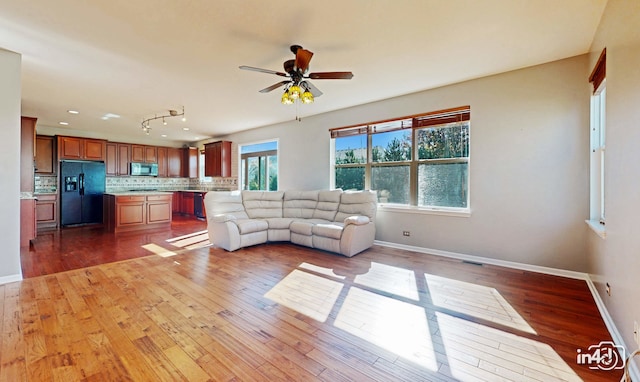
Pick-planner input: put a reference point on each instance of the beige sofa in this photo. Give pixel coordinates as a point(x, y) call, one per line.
point(331, 220)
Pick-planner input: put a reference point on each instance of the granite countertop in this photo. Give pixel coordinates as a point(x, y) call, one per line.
point(46, 193)
point(135, 193)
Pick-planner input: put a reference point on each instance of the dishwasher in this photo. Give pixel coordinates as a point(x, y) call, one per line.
point(198, 205)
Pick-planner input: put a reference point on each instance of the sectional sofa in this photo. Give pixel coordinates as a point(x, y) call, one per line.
point(331, 220)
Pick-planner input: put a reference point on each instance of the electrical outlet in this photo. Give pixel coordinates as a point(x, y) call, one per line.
point(406, 233)
point(636, 335)
point(608, 289)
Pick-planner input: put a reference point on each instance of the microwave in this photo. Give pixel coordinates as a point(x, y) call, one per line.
point(144, 169)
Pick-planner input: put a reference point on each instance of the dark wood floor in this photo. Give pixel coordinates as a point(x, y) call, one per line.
point(284, 312)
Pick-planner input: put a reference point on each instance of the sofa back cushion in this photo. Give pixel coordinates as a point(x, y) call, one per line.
point(327, 207)
point(224, 202)
point(300, 204)
point(357, 203)
point(263, 204)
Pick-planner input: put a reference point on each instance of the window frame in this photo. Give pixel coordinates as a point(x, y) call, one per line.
point(243, 163)
point(597, 148)
point(436, 119)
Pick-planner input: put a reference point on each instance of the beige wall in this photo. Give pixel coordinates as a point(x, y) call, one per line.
point(616, 259)
point(10, 170)
point(529, 164)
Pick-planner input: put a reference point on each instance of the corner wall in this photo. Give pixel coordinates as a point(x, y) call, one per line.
point(616, 259)
point(10, 71)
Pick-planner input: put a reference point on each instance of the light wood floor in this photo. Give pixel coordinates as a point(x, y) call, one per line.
point(283, 312)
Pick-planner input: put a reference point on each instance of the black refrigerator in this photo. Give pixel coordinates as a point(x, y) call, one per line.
point(81, 189)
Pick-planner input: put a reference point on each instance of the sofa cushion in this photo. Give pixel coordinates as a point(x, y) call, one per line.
point(357, 203)
point(304, 226)
point(300, 204)
point(331, 230)
point(279, 223)
point(263, 204)
point(327, 207)
point(246, 226)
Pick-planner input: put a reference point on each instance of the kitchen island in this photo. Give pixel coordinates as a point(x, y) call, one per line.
point(137, 210)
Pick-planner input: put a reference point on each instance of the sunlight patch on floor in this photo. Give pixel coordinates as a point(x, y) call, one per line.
point(479, 353)
point(158, 250)
point(311, 295)
point(191, 241)
point(321, 270)
point(475, 300)
point(394, 325)
point(395, 280)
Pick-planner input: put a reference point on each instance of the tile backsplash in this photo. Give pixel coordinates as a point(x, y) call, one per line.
point(49, 183)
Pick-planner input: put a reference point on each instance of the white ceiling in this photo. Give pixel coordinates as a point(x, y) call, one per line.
point(140, 58)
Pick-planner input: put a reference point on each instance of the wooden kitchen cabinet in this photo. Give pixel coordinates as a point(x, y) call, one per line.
point(137, 212)
point(27, 221)
point(177, 202)
point(187, 203)
point(82, 148)
point(162, 162)
point(144, 154)
point(117, 159)
point(27, 143)
point(174, 162)
point(46, 211)
point(217, 159)
point(45, 155)
point(190, 163)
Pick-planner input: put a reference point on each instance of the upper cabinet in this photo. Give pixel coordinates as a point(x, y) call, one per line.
point(174, 162)
point(45, 155)
point(144, 154)
point(118, 158)
point(27, 143)
point(82, 148)
point(190, 163)
point(217, 159)
point(163, 162)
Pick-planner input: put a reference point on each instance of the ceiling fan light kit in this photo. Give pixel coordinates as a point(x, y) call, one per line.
point(297, 87)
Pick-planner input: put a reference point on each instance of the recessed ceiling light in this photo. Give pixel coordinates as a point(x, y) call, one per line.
point(185, 128)
point(73, 112)
point(164, 135)
point(63, 123)
point(196, 138)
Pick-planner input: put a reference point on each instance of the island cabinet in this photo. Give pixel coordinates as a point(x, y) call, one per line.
point(82, 148)
point(137, 211)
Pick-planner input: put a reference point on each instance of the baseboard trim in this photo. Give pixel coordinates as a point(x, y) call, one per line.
point(489, 261)
point(604, 313)
point(10, 278)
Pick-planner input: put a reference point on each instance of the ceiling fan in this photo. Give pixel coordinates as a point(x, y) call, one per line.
point(297, 86)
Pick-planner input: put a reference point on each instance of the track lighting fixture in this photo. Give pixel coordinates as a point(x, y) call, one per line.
point(146, 126)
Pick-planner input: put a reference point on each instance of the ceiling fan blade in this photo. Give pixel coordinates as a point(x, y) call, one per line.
point(274, 86)
point(314, 90)
point(331, 76)
point(303, 57)
point(244, 67)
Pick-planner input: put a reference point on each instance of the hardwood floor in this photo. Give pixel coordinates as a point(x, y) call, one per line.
point(284, 312)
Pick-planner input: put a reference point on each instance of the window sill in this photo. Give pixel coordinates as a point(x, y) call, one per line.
point(598, 228)
point(456, 212)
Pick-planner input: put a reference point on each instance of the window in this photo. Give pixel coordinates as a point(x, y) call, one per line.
point(259, 166)
point(597, 156)
point(420, 161)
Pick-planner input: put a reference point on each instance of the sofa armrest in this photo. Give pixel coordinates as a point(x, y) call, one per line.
point(357, 220)
point(221, 218)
